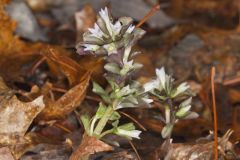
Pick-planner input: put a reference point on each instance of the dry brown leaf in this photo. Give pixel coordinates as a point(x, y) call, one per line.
point(88, 146)
point(14, 53)
point(16, 116)
point(234, 96)
point(200, 151)
point(29, 142)
point(59, 62)
point(67, 103)
point(180, 128)
point(94, 65)
point(224, 8)
point(236, 123)
point(5, 154)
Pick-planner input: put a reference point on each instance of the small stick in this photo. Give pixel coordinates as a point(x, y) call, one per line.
point(134, 120)
point(38, 63)
point(135, 150)
point(62, 127)
point(61, 90)
point(213, 71)
point(153, 10)
point(231, 81)
point(93, 98)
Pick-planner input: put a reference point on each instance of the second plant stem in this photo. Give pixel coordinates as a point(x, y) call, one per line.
point(171, 114)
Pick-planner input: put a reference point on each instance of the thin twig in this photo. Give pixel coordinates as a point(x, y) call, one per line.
point(57, 89)
point(135, 150)
point(134, 120)
point(62, 127)
point(231, 81)
point(93, 98)
point(37, 64)
point(153, 10)
point(213, 70)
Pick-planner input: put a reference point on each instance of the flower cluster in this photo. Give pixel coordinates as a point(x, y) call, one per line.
point(164, 89)
point(163, 85)
point(107, 36)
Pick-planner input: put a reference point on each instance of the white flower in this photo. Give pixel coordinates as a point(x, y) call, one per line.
point(186, 102)
point(149, 86)
point(110, 35)
point(127, 52)
point(90, 47)
point(96, 31)
point(147, 100)
point(116, 28)
point(180, 89)
point(130, 29)
point(161, 75)
point(113, 29)
point(125, 105)
point(132, 133)
point(105, 16)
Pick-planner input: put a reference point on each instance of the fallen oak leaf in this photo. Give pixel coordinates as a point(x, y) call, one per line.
point(5, 154)
point(16, 117)
point(88, 146)
point(67, 103)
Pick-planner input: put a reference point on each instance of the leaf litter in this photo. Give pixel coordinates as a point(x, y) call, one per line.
point(44, 87)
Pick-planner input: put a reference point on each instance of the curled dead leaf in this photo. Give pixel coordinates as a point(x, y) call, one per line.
point(61, 63)
point(88, 146)
point(67, 103)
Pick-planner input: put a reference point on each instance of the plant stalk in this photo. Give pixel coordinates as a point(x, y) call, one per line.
point(103, 121)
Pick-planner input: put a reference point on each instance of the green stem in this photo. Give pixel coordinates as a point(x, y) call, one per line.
point(92, 125)
point(106, 132)
point(103, 121)
point(167, 114)
point(171, 116)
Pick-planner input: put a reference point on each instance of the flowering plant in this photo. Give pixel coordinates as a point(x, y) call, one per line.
point(114, 41)
point(175, 99)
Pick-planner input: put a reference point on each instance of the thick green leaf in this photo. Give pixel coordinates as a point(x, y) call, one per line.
point(100, 91)
point(101, 110)
point(191, 115)
point(184, 111)
point(115, 116)
point(167, 130)
point(112, 67)
point(127, 126)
